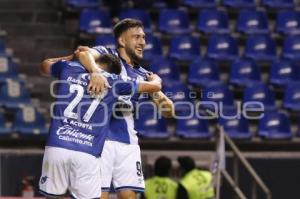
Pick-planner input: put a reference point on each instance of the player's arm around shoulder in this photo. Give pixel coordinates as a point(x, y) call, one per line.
point(45, 67)
point(152, 85)
point(164, 104)
point(87, 57)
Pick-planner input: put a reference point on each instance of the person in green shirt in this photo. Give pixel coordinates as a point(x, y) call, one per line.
point(195, 183)
point(161, 186)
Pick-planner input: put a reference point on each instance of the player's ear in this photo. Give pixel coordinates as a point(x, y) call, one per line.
point(121, 42)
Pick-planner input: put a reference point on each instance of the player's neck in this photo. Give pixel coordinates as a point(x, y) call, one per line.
point(125, 57)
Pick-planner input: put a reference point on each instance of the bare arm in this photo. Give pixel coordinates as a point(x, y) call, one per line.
point(164, 104)
point(151, 86)
point(87, 56)
point(46, 64)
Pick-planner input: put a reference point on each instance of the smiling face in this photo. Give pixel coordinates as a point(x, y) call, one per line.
point(133, 42)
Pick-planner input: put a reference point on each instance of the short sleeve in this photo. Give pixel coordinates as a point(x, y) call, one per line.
point(100, 49)
point(57, 68)
point(125, 87)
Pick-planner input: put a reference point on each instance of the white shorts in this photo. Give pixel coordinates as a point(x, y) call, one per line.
point(75, 171)
point(121, 166)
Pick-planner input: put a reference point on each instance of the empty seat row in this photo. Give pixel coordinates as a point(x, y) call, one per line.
point(209, 21)
point(196, 3)
point(27, 121)
point(220, 47)
point(272, 125)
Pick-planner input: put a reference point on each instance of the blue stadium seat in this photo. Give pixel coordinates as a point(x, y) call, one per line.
point(83, 3)
point(288, 22)
point(139, 14)
point(275, 125)
point(95, 22)
point(213, 21)
point(283, 72)
point(106, 40)
point(292, 96)
point(200, 3)
point(176, 91)
point(4, 130)
point(166, 69)
point(2, 47)
point(203, 72)
point(28, 121)
point(260, 48)
point(13, 94)
point(278, 4)
point(174, 21)
point(184, 48)
point(222, 47)
point(237, 127)
point(7, 69)
point(260, 93)
point(220, 95)
point(192, 128)
point(244, 72)
point(239, 3)
point(149, 125)
point(153, 48)
point(291, 48)
point(252, 22)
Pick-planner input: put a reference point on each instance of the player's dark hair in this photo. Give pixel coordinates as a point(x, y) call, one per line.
point(186, 163)
point(124, 25)
point(112, 62)
point(162, 166)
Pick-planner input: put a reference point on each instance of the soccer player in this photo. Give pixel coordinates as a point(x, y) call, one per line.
point(121, 154)
point(79, 125)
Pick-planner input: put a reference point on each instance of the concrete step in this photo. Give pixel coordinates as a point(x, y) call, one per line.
point(27, 4)
point(20, 29)
point(29, 16)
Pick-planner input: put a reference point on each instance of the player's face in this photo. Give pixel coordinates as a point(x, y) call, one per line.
point(134, 43)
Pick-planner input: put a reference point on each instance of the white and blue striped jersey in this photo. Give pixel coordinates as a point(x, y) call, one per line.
point(122, 129)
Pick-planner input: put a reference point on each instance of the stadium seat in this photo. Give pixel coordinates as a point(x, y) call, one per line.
point(236, 126)
point(244, 72)
point(288, 22)
point(292, 96)
point(217, 96)
point(260, 93)
point(80, 4)
point(260, 48)
point(274, 125)
point(213, 21)
point(28, 121)
point(166, 69)
point(200, 3)
point(252, 22)
point(139, 14)
point(239, 3)
point(184, 48)
point(173, 21)
point(7, 69)
point(291, 48)
point(192, 128)
point(149, 125)
point(222, 47)
point(13, 94)
point(4, 130)
point(106, 40)
point(153, 48)
point(283, 72)
point(203, 72)
point(176, 91)
point(278, 4)
point(95, 22)
point(2, 47)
